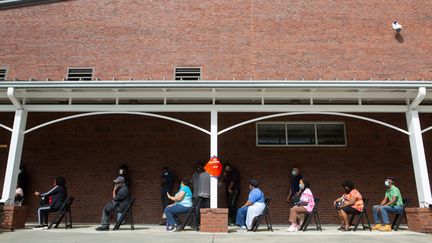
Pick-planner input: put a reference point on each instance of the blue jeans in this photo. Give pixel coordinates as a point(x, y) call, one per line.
point(241, 216)
point(384, 213)
point(172, 211)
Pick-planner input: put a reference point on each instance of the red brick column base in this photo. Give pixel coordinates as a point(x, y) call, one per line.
point(214, 220)
point(419, 219)
point(13, 217)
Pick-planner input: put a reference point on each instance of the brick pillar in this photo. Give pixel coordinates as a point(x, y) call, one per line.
point(214, 220)
point(419, 219)
point(13, 217)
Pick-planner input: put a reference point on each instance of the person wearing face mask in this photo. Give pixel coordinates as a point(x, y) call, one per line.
point(392, 203)
point(294, 185)
point(305, 205)
point(232, 191)
point(195, 188)
point(121, 197)
point(253, 207)
point(350, 202)
point(167, 181)
point(123, 172)
point(182, 205)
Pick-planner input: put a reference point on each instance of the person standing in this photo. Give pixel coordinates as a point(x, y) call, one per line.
point(232, 191)
point(195, 188)
point(167, 182)
point(203, 194)
point(293, 196)
point(392, 203)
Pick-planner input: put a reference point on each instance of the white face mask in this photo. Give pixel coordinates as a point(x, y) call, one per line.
point(166, 173)
point(121, 171)
point(294, 172)
point(386, 183)
point(301, 186)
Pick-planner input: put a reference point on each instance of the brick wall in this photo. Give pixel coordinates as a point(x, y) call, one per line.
point(87, 152)
point(240, 39)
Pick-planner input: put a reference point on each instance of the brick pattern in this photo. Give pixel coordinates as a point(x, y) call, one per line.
point(14, 217)
point(419, 219)
point(88, 151)
point(214, 220)
point(229, 39)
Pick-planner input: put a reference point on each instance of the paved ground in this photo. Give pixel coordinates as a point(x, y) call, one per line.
point(156, 234)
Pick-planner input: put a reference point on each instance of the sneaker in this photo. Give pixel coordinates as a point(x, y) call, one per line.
point(41, 226)
point(377, 227)
point(293, 228)
point(386, 228)
point(102, 228)
point(242, 229)
point(172, 228)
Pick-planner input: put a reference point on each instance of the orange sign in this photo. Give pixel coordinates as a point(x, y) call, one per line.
point(213, 166)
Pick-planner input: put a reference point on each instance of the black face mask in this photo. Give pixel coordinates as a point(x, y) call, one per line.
point(347, 190)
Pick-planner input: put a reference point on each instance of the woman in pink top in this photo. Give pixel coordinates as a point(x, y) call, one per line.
point(304, 205)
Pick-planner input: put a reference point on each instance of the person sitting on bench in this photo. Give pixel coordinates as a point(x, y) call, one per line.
point(121, 197)
point(350, 202)
point(392, 203)
point(253, 207)
point(51, 201)
point(182, 204)
point(305, 205)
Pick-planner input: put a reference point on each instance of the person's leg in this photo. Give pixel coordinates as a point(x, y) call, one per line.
point(384, 211)
point(106, 215)
point(241, 216)
point(231, 208)
point(43, 214)
point(294, 212)
point(234, 202)
point(376, 217)
point(344, 217)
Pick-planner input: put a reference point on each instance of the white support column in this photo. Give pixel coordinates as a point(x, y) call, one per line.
point(418, 158)
point(213, 152)
point(14, 157)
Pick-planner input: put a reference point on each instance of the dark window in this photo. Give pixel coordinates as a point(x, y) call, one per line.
point(271, 134)
point(3, 74)
point(80, 74)
point(187, 73)
point(330, 134)
point(301, 134)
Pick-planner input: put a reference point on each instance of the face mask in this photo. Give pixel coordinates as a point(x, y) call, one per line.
point(301, 186)
point(294, 173)
point(166, 173)
point(347, 190)
point(386, 183)
point(121, 172)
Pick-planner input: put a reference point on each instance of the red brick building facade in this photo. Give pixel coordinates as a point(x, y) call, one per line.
point(241, 40)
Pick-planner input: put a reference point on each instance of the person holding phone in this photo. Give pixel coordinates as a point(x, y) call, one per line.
point(304, 205)
point(182, 204)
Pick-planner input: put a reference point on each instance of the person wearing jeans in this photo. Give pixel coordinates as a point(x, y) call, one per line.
point(182, 205)
point(392, 203)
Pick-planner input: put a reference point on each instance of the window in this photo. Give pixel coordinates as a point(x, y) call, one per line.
point(271, 134)
point(4, 4)
point(187, 73)
point(80, 74)
point(301, 134)
point(3, 72)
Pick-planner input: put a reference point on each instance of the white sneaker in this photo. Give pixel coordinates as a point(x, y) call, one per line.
point(242, 229)
point(292, 228)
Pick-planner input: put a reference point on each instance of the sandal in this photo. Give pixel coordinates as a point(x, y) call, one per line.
point(341, 228)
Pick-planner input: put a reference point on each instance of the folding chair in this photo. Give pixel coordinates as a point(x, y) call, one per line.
point(63, 212)
point(126, 211)
point(265, 214)
point(398, 218)
point(361, 215)
point(190, 214)
point(315, 215)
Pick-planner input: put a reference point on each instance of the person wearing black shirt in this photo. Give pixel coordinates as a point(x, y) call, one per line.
point(232, 191)
point(121, 197)
point(167, 181)
point(294, 185)
point(51, 201)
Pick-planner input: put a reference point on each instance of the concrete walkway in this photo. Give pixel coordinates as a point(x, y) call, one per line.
point(156, 234)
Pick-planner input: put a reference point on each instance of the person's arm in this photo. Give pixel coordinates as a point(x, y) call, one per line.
point(350, 202)
point(230, 190)
point(178, 197)
point(337, 200)
point(51, 192)
point(393, 200)
point(384, 201)
point(248, 203)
